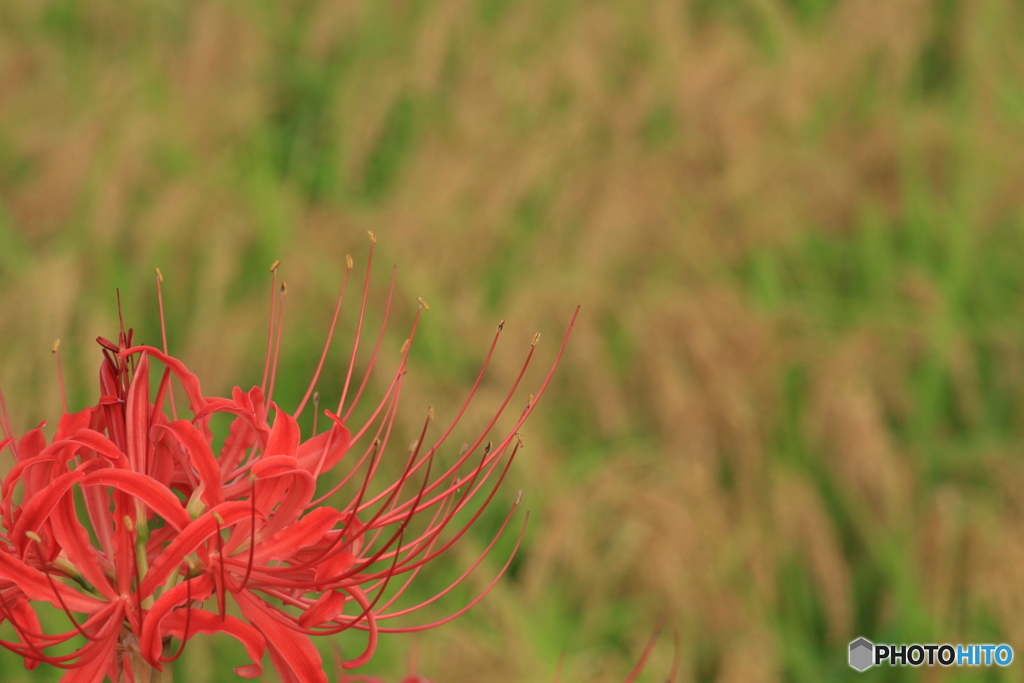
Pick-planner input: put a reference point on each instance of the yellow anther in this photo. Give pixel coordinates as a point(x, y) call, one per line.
point(423, 303)
point(274, 265)
point(372, 237)
point(34, 536)
point(56, 345)
point(159, 275)
point(536, 338)
point(348, 261)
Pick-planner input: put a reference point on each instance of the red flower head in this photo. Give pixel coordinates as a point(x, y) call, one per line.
point(176, 524)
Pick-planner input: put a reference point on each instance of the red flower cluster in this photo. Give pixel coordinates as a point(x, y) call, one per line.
point(130, 520)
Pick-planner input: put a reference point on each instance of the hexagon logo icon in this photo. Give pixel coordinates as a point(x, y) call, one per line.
point(861, 654)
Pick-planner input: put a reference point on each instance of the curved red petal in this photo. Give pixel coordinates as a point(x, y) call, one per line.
point(74, 539)
point(202, 621)
point(91, 438)
point(137, 417)
point(158, 498)
point(201, 456)
point(71, 422)
point(307, 531)
point(328, 606)
point(150, 642)
point(189, 381)
point(41, 505)
point(293, 654)
point(34, 584)
point(326, 449)
point(284, 437)
point(195, 534)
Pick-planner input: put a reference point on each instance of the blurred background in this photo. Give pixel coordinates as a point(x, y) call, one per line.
point(791, 412)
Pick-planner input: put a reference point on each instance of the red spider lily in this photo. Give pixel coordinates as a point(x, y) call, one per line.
point(175, 524)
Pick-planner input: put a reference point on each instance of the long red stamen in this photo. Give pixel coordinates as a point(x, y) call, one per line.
point(470, 522)
point(455, 511)
point(359, 325)
point(643, 657)
point(163, 331)
point(676, 655)
point(465, 404)
point(398, 534)
point(270, 333)
point(60, 376)
point(380, 528)
point(441, 510)
point(390, 402)
point(333, 548)
point(478, 598)
point(410, 468)
point(465, 574)
point(373, 356)
point(327, 344)
point(277, 343)
point(433, 531)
